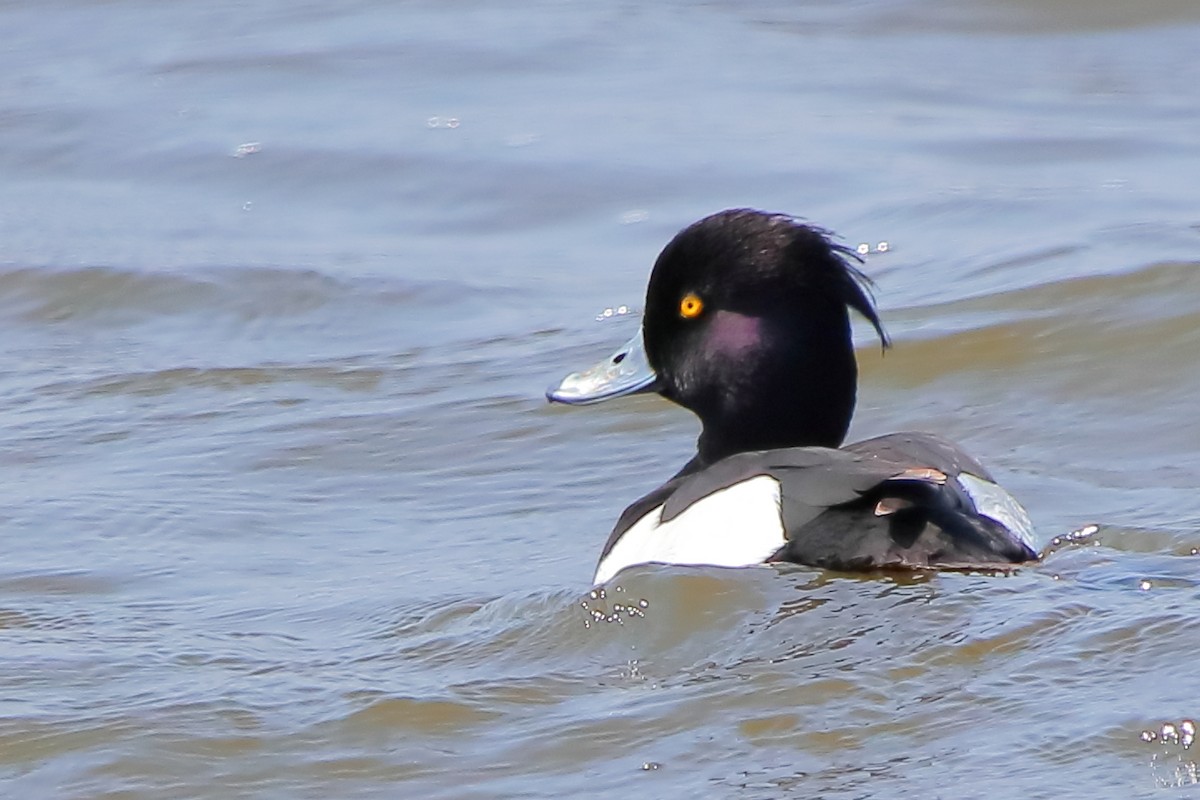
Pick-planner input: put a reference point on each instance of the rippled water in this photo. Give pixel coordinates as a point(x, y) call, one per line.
point(285, 514)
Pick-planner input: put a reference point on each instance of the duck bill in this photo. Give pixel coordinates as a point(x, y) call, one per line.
point(626, 371)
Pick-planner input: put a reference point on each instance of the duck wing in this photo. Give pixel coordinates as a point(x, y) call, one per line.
point(936, 507)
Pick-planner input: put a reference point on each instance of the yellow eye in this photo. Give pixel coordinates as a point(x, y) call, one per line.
point(690, 306)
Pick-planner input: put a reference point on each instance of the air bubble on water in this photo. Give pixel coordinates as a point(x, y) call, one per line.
point(1187, 730)
point(865, 248)
point(1183, 734)
point(614, 311)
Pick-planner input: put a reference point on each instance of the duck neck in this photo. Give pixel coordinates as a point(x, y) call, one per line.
point(809, 405)
point(802, 425)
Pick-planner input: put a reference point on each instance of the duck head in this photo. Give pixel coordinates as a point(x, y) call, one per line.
point(746, 324)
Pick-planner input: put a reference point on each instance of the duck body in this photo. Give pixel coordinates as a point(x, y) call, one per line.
point(746, 323)
point(903, 501)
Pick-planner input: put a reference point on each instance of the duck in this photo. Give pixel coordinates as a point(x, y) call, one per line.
point(746, 324)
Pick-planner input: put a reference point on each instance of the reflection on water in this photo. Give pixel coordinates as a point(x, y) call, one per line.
point(286, 514)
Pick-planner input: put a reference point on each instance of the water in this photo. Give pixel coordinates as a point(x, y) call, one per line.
point(285, 514)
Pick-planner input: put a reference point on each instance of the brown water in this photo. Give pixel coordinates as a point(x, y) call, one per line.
point(284, 513)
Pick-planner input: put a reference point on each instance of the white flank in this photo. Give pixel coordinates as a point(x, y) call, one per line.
point(736, 527)
point(994, 503)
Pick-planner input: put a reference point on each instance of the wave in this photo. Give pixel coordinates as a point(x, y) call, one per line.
point(40, 295)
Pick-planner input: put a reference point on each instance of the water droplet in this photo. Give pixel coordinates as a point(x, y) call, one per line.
point(1149, 736)
point(614, 311)
point(650, 766)
point(1144, 585)
point(882, 247)
point(247, 149)
point(863, 249)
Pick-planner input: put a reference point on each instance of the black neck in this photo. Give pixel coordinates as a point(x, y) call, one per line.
point(808, 422)
point(809, 403)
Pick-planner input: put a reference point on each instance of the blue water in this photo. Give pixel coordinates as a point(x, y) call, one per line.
point(285, 514)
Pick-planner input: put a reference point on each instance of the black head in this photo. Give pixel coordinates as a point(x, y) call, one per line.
point(746, 324)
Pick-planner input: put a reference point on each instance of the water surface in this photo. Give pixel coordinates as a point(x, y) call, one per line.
point(285, 513)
